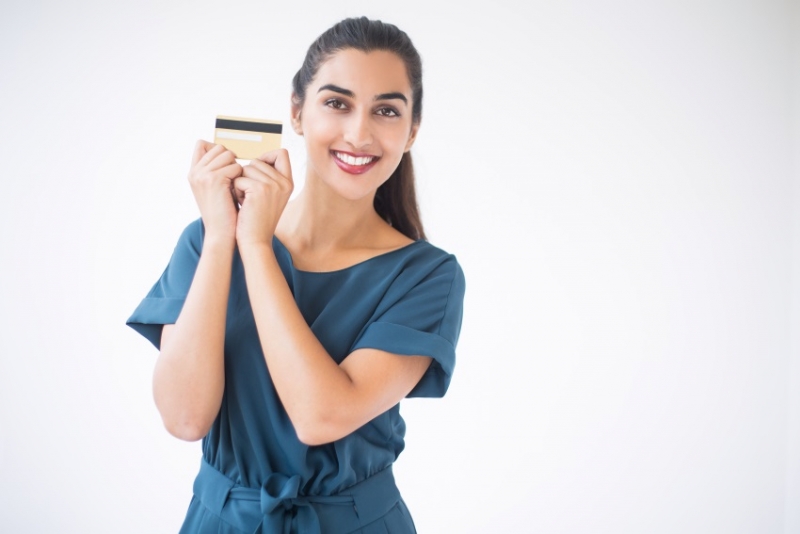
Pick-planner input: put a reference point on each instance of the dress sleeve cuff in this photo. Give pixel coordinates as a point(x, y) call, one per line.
point(152, 314)
point(407, 341)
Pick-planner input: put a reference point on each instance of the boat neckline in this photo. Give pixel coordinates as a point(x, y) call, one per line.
point(343, 269)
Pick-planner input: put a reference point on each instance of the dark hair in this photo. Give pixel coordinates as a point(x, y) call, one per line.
point(396, 199)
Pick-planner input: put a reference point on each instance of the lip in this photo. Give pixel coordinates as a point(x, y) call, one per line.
point(354, 169)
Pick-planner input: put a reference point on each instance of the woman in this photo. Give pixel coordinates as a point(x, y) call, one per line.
point(289, 331)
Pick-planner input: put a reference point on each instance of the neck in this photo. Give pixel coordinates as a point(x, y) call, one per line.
point(320, 219)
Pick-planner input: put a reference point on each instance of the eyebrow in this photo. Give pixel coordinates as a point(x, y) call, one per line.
point(351, 94)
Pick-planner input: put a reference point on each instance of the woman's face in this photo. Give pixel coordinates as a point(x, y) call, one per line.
point(356, 120)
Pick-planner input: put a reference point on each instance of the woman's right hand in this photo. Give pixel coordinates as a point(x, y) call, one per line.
point(211, 176)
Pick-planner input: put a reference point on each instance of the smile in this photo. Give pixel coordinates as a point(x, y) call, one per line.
point(352, 164)
point(353, 160)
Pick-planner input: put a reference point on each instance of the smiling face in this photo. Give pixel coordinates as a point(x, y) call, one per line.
point(356, 120)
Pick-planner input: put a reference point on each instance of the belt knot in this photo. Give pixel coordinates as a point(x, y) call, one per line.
point(279, 496)
point(279, 507)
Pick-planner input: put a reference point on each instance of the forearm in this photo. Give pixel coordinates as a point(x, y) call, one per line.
point(309, 382)
point(189, 376)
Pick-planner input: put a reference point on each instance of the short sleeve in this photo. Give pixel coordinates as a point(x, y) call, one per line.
point(164, 302)
point(424, 320)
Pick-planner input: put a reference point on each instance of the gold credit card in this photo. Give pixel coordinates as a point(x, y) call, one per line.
point(247, 138)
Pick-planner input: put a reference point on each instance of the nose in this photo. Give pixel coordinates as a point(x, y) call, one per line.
point(358, 131)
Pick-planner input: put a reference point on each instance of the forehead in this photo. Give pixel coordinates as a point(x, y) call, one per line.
point(365, 73)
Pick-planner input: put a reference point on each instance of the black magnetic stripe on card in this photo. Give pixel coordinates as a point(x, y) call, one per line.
point(229, 124)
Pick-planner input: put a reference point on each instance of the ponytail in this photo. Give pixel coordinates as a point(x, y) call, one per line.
point(396, 201)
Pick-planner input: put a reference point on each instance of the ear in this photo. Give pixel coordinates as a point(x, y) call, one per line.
point(412, 136)
point(295, 111)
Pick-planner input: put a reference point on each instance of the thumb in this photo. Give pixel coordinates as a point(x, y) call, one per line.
point(239, 188)
point(200, 149)
point(282, 163)
point(279, 159)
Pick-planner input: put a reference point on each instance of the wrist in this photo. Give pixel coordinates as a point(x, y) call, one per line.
point(219, 242)
point(256, 253)
point(254, 246)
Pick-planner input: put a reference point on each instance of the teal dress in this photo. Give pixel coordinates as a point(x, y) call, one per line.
point(256, 475)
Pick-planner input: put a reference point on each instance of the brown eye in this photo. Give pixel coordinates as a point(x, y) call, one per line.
point(388, 112)
point(335, 103)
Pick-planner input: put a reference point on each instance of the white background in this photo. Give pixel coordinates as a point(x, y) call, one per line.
point(620, 181)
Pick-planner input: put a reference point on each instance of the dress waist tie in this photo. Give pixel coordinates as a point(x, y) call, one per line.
point(279, 500)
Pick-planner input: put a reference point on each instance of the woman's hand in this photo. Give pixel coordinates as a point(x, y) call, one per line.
point(263, 190)
point(211, 178)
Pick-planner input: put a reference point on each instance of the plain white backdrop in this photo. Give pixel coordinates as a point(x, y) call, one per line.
point(619, 180)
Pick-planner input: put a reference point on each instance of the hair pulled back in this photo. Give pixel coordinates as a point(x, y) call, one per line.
point(396, 199)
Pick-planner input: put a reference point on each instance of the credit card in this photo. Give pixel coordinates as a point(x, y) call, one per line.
point(247, 138)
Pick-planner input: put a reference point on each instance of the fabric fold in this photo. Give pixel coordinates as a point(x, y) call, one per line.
point(281, 506)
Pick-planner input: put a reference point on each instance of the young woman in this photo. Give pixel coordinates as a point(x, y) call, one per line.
point(290, 331)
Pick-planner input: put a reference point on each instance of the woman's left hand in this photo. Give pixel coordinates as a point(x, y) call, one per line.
point(263, 190)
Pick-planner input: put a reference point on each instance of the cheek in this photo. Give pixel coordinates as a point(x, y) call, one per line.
point(318, 132)
point(398, 140)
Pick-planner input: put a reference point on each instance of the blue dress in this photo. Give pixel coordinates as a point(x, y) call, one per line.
point(256, 475)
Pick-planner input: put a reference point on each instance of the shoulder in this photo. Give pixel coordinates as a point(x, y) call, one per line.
point(188, 246)
point(425, 293)
point(425, 263)
point(195, 229)
point(192, 236)
point(426, 253)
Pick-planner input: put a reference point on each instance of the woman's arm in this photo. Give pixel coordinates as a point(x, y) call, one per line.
point(189, 376)
point(325, 401)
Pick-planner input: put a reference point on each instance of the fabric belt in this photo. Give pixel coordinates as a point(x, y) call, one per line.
point(281, 504)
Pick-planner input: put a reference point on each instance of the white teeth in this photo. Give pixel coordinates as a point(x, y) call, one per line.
point(350, 160)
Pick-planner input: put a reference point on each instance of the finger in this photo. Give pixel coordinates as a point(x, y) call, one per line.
point(262, 171)
point(268, 157)
point(282, 163)
point(238, 192)
point(200, 148)
point(241, 186)
point(268, 175)
point(279, 159)
point(210, 154)
point(254, 173)
point(231, 171)
point(273, 172)
point(223, 159)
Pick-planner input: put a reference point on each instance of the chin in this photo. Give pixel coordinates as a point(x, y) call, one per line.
point(353, 192)
point(352, 187)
